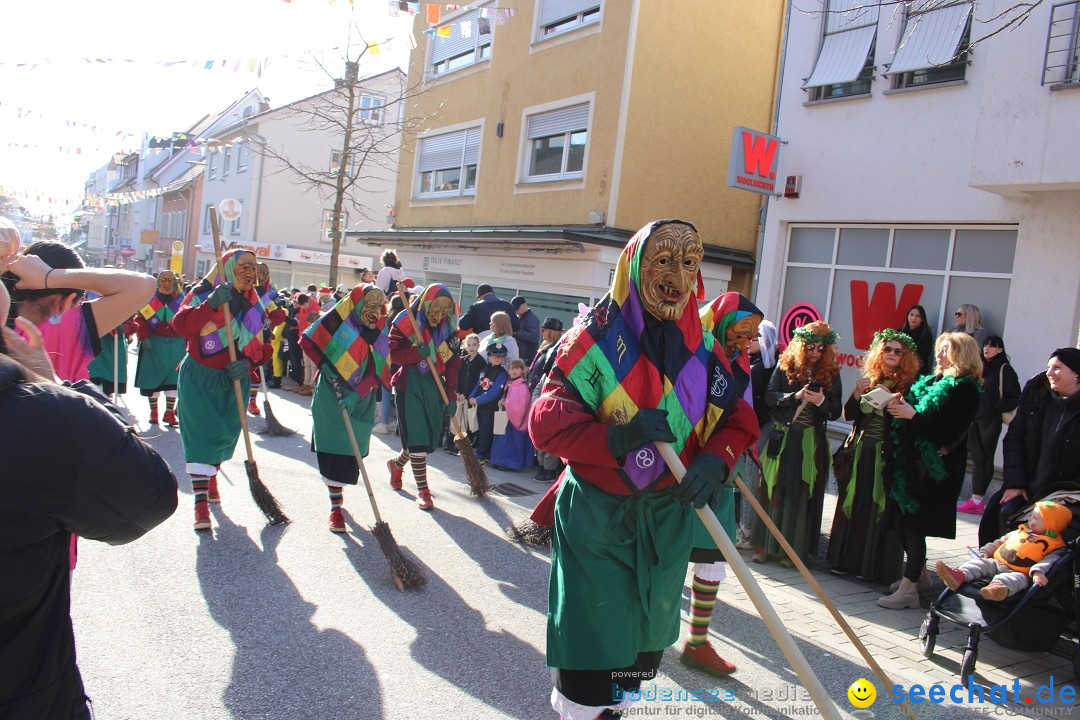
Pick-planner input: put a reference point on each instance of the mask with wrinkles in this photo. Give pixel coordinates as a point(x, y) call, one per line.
point(263, 273)
point(669, 268)
point(738, 336)
point(438, 310)
point(372, 308)
point(167, 282)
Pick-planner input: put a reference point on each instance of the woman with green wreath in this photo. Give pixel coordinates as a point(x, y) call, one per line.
point(860, 542)
point(804, 393)
point(929, 456)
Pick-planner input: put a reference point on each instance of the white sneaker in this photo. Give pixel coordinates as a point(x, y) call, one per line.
point(380, 429)
point(392, 428)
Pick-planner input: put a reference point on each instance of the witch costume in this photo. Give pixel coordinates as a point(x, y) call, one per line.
point(161, 349)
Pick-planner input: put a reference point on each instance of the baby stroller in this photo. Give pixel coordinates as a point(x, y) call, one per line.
point(1032, 620)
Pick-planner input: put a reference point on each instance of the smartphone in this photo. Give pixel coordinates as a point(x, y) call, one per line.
point(815, 386)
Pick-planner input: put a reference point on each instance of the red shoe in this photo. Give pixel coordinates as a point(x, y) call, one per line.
point(202, 516)
point(212, 491)
point(337, 522)
point(253, 407)
point(170, 418)
point(705, 659)
point(395, 474)
point(154, 418)
point(952, 577)
point(423, 500)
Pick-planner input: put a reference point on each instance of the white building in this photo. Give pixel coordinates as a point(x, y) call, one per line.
point(932, 172)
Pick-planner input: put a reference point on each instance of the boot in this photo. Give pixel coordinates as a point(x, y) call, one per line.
point(423, 500)
point(337, 521)
point(170, 418)
point(212, 491)
point(253, 407)
point(395, 474)
point(704, 658)
point(906, 596)
point(995, 591)
point(925, 581)
point(154, 416)
point(202, 516)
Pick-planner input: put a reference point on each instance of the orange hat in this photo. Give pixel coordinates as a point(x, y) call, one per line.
point(1056, 517)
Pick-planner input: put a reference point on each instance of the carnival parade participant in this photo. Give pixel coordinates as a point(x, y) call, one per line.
point(860, 542)
point(804, 394)
point(929, 458)
point(160, 347)
point(351, 347)
point(108, 369)
point(420, 407)
point(733, 321)
point(275, 315)
point(639, 370)
point(209, 422)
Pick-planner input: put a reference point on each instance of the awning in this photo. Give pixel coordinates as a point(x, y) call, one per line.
point(931, 38)
point(843, 56)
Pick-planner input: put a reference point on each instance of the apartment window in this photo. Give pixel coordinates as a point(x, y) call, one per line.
point(226, 160)
point(448, 163)
point(556, 143)
point(234, 225)
point(934, 45)
point(845, 64)
point(371, 109)
point(1062, 62)
point(327, 235)
point(206, 219)
point(242, 155)
point(469, 42)
point(211, 166)
point(561, 16)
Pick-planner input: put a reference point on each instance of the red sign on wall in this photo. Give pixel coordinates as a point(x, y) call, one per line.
point(879, 311)
point(755, 157)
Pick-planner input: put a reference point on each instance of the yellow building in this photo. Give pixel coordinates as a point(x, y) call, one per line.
point(553, 131)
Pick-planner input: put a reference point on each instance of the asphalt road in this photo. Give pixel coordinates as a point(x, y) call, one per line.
point(288, 622)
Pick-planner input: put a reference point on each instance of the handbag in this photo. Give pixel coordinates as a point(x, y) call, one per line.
point(501, 419)
point(1006, 417)
point(471, 424)
point(843, 460)
point(776, 440)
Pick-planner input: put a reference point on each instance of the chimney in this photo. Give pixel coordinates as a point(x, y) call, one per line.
point(264, 104)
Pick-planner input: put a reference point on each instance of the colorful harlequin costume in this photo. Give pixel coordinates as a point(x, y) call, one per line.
point(354, 366)
point(621, 540)
point(420, 407)
point(275, 316)
point(209, 421)
point(161, 349)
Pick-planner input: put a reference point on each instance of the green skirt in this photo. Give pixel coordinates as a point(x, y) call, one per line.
point(329, 435)
point(618, 565)
point(157, 366)
point(209, 419)
point(422, 421)
point(101, 367)
point(705, 547)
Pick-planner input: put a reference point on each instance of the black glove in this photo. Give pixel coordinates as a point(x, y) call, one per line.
point(424, 351)
point(238, 369)
point(703, 480)
point(648, 425)
point(221, 295)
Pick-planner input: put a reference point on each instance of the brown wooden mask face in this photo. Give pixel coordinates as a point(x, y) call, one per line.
point(739, 335)
point(263, 273)
point(438, 310)
point(669, 268)
point(372, 308)
point(167, 282)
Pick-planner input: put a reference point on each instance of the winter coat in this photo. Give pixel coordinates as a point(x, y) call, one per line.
point(998, 372)
point(69, 466)
point(1033, 432)
point(781, 398)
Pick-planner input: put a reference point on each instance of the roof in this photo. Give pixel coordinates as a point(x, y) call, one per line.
point(553, 238)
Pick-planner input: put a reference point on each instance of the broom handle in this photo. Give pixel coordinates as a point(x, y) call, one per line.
point(438, 381)
point(229, 336)
point(768, 614)
point(116, 367)
point(262, 368)
point(360, 463)
point(818, 590)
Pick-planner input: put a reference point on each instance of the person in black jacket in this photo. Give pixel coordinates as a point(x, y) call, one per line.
point(527, 331)
point(106, 485)
point(478, 316)
point(918, 329)
point(1042, 445)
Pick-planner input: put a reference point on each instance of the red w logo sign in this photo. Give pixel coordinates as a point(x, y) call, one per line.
point(883, 310)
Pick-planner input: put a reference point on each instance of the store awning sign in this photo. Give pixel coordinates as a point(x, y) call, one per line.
point(755, 159)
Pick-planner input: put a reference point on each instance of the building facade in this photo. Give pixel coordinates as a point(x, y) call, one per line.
point(550, 134)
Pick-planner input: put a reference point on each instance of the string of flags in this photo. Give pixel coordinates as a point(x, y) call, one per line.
point(249, 65)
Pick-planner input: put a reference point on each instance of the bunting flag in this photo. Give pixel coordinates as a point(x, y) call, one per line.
point(443, 31)
point(434, 12)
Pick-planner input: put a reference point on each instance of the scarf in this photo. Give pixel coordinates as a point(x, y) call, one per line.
point(161, 307)
point(248, 317)
point(621, 359)
point(436, 338)
point(345, 345)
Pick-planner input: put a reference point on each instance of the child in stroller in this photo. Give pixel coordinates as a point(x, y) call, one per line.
point(1017, 559)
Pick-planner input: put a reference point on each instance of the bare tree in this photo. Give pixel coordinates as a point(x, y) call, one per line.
point(368, 139)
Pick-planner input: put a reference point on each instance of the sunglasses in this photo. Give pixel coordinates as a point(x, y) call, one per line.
point(959, 313)
point(892, 351)
point(814, 347)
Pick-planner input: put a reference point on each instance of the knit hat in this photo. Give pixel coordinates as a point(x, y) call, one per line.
point(518, 301)
point(483, 290)
point(1070, 357)
point(552, 323)
point(1056, 517)
point(497, 349)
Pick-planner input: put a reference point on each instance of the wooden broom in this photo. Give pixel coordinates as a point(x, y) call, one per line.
point(474, 471)
point(261, 494)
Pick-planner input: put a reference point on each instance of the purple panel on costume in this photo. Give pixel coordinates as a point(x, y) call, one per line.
point(154, 322)
point(644, 466)
point(382, 345)
point(688, 386)
point(253, 322)
point(211, 344)
point(355, 378)
point(633, 312)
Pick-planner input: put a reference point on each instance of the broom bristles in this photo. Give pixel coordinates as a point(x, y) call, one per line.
point(404, 569)
point(261, 494)
point(272, 427)
point(528, 532)
point(474, 471)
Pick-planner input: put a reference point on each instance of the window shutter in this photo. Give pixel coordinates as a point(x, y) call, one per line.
point(472, 147)
point(930, 38)
point(456, 44)
point(850, 28)
point(555, 10)
point(559, 121)
point(443, 151)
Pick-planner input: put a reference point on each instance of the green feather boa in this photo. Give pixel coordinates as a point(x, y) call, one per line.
point(926, 396)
